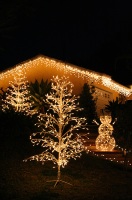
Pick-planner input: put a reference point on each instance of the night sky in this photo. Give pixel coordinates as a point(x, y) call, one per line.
point(96, 35)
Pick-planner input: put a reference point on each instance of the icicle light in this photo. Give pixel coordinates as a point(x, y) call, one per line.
point(70, 70)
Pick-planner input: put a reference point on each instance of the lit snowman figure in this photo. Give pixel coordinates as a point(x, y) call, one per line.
point(105, 141)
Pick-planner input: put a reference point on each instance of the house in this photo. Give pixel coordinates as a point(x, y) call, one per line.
point(45, 67)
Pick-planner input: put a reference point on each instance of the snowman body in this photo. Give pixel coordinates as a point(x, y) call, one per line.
point(105, 141)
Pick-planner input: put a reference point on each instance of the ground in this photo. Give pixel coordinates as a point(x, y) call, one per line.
point(91, 177)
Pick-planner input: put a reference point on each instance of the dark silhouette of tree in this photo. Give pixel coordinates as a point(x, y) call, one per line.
point(38, 93)
point(2, 97)
point(87, 101)
point(123, 126)
point(112, 107)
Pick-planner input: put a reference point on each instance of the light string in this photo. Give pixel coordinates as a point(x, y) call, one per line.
point(68, 69)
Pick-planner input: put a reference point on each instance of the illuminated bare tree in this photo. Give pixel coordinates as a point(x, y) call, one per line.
point(59, 127)
point(17, 95)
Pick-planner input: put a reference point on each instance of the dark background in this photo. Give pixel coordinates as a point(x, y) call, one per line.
point(96, 35)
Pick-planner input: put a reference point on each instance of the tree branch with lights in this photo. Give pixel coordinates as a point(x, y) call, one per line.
point(59, 128)
point(17, 95)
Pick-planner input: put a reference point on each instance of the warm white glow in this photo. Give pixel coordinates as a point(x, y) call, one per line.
point(114, 86)
point(105, 141)
point(17, 94)
point(69, 69)
point(58, 133)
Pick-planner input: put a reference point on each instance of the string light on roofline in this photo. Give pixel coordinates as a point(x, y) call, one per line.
point(114, 86)
point(69, 69)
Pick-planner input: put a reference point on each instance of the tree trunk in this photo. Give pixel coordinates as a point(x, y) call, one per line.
point(59, 173)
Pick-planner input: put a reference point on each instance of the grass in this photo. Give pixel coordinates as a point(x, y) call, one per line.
point(91, 177)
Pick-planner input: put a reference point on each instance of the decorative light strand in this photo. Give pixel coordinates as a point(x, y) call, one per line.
point(59, 128)
point(114, 86)
point(105, 142)
point(69, 69)
point(18, 95)
point(119, 160)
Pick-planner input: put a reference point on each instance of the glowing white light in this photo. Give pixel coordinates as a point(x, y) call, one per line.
point(105, 142)
point(58, 129)
point(69, 70)
point(17, 94)
point(116, 86)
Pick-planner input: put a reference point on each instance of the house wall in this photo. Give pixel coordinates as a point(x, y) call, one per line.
point(45, 68)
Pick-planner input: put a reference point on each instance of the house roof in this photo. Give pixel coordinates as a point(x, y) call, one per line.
point(101, 78)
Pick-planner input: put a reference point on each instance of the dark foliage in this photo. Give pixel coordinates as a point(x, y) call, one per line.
point(123, 126)
point(88, 103)
point(2, 97)
point(112, 107)
point(38, 93)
